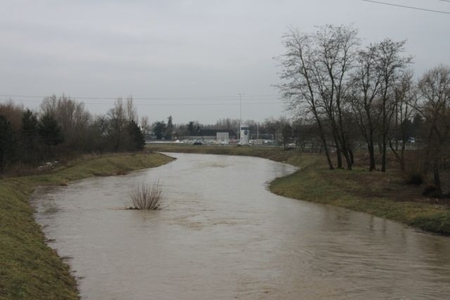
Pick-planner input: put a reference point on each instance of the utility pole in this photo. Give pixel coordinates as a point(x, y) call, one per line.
point(240, 108)
point(240, 114)
point(257, 130)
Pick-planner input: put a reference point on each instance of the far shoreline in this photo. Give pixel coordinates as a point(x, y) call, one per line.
point(383, 195)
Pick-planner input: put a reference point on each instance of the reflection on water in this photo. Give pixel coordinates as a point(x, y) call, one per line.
point(222, 235)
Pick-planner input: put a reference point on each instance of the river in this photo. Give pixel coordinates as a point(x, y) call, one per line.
point(222, 235)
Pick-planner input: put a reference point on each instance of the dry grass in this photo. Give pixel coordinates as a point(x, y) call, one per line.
point(146, 197)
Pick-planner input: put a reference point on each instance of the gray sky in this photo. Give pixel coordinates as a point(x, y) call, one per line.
point(187, 58)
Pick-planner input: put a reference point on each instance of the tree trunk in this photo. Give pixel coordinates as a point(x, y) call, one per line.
point(339, 158)
point(437, 177)
point(371, 149)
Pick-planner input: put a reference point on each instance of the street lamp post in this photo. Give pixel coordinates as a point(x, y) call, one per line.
point(240, 114)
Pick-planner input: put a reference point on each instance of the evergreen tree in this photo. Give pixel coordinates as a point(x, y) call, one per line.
point(191, 128)
point(29, 137)
point(159, 129)
point(137, 140)
point(7, 143)
point(50, 132)
point(169, 129)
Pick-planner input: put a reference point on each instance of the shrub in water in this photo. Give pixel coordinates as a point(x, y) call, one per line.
point(145, 196)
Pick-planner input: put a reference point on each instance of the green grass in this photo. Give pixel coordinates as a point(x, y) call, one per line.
point(273, 153)
point(380, 194)
point(383, 195)
point(29, 269)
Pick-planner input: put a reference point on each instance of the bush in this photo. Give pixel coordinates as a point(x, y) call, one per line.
point(414, 174)
point(148, 197)
point(415, 179)
point(432, 191)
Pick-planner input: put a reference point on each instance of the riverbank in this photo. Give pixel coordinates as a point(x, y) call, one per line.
point(385, 195)
point(29, 269)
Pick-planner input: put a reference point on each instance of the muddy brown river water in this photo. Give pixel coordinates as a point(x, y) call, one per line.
point(222, 235)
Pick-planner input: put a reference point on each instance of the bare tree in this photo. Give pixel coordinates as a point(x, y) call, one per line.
point(405, 101)
point(286, 134)
point(338, 48)
point(375, 96)
point(13, 113)
point(299, 90)
point(120, 128)
point(131, 111)
point(366, 89)
point(116, 129)
point(145, 126)
point(73, 119)
point(316, 71)
point(434, 89)
point(273, 127)
point(391, 64)
point(306, 134)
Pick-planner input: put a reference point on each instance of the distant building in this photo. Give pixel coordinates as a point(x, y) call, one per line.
point(223, 137)
point(244, 135)
point(212, 134)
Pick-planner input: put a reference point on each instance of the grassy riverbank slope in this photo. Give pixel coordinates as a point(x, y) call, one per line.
point(29, 269)
point(384, 195)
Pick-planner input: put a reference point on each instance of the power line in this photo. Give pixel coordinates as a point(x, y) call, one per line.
point(190, 104)
point(142, 98)
point(410, 7)
point(173, 104)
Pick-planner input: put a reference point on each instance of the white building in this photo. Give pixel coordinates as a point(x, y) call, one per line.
point(244, 135)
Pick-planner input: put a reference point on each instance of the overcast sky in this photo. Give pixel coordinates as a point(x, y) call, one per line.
point(196, 60)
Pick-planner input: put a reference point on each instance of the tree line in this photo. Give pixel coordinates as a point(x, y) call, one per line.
point(344, 97)
point(269, 129)
point(63, 128)
point(353, 94)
